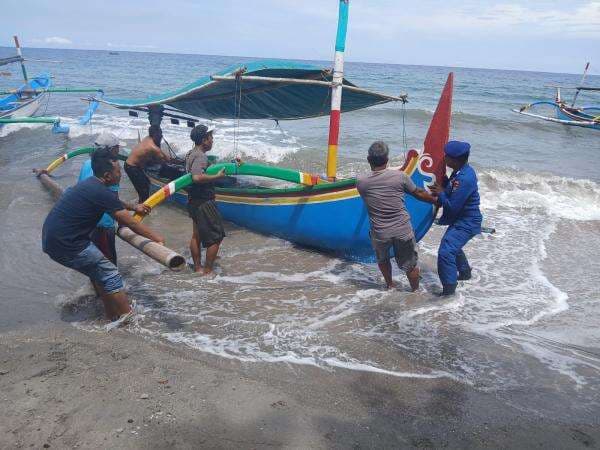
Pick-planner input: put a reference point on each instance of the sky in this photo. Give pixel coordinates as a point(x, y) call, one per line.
point(534, 35)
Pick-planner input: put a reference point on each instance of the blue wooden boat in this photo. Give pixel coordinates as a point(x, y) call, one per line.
point(327, 216)
point(20, 105)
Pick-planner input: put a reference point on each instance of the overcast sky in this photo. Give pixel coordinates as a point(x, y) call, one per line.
point(513, 34)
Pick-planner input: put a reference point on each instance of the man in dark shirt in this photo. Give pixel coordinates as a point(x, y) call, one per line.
point(67, 228)
point(208, 225)
point(391, 230)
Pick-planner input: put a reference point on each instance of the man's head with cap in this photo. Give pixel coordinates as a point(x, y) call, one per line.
point(457, 154)
point(108, 141)
point(202, 136)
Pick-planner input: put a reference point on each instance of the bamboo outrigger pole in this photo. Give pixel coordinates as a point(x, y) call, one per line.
point(157, 252)
point(336, 89)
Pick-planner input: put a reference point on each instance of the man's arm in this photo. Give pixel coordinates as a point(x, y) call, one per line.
point(204, 178)
point(126, 220)
point(159, 154)
point(417, 192)
point(423, 195)
point(138, 208)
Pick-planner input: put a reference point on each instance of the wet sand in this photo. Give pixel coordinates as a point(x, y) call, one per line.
point(65, 388)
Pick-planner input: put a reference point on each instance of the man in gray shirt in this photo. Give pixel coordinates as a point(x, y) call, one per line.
point(383, 192)
point(208, 229)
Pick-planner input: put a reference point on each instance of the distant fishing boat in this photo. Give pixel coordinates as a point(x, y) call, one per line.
point(20, 105)
point(319, 211)
point(113, 53)
point(585, 116)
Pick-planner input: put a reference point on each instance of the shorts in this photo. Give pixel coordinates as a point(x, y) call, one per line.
point(93, 264)
point(208, 222)
point(104, 239)
point(140, 181)
point(405, 251)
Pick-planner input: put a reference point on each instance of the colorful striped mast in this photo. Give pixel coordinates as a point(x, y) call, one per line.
point(20, 55)
point(336, 89)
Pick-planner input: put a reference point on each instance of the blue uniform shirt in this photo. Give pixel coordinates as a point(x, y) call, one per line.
point(86, 172)
point(460, 200)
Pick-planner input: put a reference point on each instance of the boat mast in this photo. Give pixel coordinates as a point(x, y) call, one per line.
point(587, 66)
point(20, 55)
point(336, 89)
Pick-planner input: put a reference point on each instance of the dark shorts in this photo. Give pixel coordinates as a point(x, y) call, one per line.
point(93, 264)
point(208, 222)
point(104, 239)
point(405, 252)
point(140, 181)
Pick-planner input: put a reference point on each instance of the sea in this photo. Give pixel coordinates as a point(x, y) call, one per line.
point(526, 327)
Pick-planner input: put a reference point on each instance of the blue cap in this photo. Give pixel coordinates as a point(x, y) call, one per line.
point(456, 149)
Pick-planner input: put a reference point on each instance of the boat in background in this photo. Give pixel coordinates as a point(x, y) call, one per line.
point(586, 116)
point(20, 105)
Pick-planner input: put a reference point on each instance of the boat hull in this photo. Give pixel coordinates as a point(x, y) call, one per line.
point(331, 220)
point(26, 109)
point(18, 105)
point(575, 115)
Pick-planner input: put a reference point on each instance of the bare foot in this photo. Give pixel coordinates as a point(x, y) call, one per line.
point(392, 285)
point(199, 270)
point(209, 273)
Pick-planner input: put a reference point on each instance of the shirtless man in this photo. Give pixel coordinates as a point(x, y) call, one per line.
point(146, 153)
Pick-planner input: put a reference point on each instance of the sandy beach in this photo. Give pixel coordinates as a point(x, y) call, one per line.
point(64, 388)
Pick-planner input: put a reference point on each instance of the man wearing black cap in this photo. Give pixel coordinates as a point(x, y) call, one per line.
point(459, 198)
point(208, 225)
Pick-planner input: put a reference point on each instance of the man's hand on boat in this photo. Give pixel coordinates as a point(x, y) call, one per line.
point(205, 178)
point(436, 189)
point(142, 209)
point(39, 172)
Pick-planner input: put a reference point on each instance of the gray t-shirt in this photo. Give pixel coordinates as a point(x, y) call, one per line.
point(196, 163)
point(383, 193)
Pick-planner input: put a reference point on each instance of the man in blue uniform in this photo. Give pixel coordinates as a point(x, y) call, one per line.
point(459, 198)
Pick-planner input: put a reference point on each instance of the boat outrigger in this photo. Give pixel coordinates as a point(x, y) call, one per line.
point(21, 104)
point(321, 211)
point(586, 116)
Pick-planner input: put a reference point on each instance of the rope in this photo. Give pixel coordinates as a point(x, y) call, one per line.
point(47, 103)
point(237, 107)
point(404, 141)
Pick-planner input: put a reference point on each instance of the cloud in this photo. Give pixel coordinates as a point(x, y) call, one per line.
point(389, 18)
point(56, 40)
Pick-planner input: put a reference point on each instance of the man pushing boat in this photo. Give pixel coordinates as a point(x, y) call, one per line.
point(146, 153)
point(459, 198)
point(67, 228)
point(208, 231)
point(391, 231)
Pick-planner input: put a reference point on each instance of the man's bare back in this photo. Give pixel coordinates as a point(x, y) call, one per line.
point(146, 153)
